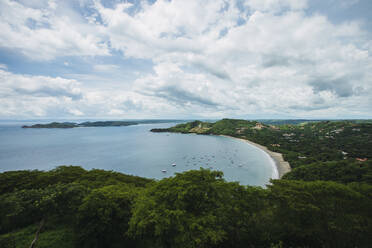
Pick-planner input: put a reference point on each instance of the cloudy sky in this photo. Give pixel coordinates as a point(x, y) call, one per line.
point(185, 59)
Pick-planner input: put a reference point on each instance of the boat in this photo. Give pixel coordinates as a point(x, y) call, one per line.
point(164, 171)
point(174, 164)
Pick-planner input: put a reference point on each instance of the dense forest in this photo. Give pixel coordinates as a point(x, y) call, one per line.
point(325, 201)
point(73, 207)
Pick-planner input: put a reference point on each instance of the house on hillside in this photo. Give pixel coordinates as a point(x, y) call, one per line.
point(337, 131)
point(258, 126)
point(288, 135)
point(361, 159)
point(274, 128)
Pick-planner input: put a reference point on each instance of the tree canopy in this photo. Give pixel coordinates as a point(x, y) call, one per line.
point(196, 208)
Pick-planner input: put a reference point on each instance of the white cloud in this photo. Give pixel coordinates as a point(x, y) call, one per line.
point(26, 95)
point(40, 96)
point(275, 5)
point(39, 86)
point(272, 62)
point(76, 112)
point(166, 26)
point(45, 33)
point(123, 104)
point(106, 68)
point(211, 58)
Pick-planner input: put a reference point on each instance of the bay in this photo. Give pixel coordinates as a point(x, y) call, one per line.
point(132, 150)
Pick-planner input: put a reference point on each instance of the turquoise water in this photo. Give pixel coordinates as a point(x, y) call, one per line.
point(132, 150)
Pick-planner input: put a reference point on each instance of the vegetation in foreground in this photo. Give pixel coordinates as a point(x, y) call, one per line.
point(197, 208)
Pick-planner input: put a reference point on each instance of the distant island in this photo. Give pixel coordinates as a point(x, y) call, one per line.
point(97, 124)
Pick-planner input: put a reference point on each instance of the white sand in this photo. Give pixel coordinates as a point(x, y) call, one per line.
point(280, 167)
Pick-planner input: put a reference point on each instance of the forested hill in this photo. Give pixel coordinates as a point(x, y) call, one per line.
point(326, 150)
point(300, 144)
point(75, 208)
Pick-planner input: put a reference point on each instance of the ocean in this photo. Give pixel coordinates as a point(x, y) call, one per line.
point(132, 150)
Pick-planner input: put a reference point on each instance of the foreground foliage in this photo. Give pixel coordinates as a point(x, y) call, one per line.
point(192, 209)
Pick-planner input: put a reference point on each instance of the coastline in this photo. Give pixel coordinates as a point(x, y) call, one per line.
point(282, 166)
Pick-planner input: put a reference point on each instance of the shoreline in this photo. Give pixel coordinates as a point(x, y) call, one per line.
point(282, 166)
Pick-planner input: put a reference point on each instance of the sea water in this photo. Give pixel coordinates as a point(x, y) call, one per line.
point(132, 150)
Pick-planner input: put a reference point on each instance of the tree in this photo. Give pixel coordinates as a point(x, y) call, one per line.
point(321, 214)
point(102, 219)
point(183, 211)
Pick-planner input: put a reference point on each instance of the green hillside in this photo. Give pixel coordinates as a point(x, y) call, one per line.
point(300, 144)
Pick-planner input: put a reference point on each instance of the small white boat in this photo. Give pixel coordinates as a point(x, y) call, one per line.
point(164, 171)
point(174, 164)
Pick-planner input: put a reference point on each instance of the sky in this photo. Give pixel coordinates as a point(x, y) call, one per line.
point(210, 59)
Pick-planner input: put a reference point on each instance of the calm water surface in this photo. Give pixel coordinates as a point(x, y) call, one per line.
point(132, 150)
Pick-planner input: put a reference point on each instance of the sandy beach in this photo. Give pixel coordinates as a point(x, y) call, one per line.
point(282, 166)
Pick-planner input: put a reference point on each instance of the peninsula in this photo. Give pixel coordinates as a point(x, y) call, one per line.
point(97, 124)
point(303, 145)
